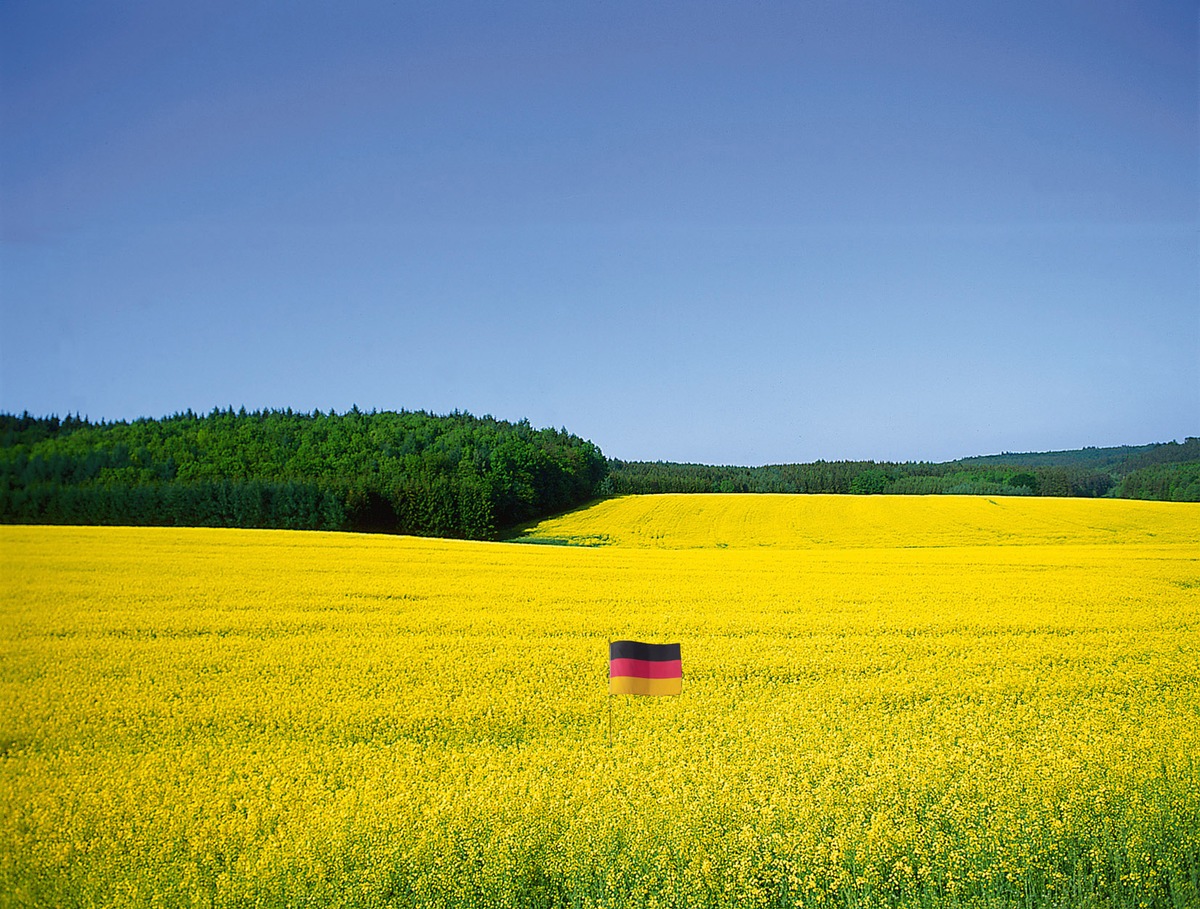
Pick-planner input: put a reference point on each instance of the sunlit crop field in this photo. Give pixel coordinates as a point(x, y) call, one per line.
point(886, 702)
point(853, 522)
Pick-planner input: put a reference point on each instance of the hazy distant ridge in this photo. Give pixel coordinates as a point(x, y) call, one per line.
point(1168, 471)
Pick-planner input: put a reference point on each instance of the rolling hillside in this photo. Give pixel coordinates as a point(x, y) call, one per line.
point(716, 521)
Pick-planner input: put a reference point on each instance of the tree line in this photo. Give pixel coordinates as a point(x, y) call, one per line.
point(458, 475)
point(1168, 472)
point(412, 472)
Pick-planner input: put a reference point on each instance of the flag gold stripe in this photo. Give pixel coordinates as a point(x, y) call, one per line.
point(626, 684)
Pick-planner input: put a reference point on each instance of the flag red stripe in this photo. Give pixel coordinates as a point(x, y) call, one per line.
point(645, 669)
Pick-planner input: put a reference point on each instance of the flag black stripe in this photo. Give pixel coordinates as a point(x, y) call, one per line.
point(636, 650)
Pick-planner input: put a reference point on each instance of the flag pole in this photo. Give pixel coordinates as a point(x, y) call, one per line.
point(608, 697)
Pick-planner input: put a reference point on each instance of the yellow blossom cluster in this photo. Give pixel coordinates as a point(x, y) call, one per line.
point(887, 701)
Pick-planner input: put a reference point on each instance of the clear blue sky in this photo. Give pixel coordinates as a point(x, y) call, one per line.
point(731, 232)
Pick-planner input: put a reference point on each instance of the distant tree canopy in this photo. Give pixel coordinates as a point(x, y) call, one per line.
point(408, 472)
point(1169, 471)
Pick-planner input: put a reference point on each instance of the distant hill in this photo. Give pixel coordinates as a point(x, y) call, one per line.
point(409, 472)
point(1168, 471)
point(1096, 458)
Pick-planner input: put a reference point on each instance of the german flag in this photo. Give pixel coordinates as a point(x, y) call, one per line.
point(637, 668)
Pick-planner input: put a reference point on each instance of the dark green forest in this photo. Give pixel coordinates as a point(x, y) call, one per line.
point(458, 475)
point(409, 472)
point(1169, 472)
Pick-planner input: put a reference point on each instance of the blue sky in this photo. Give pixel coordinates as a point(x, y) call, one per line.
point(717, 232)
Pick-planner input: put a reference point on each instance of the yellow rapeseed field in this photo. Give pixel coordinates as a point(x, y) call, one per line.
point(900, 701)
